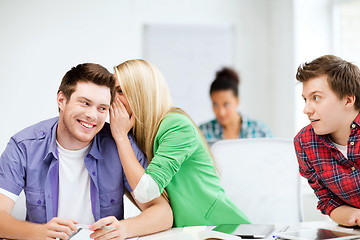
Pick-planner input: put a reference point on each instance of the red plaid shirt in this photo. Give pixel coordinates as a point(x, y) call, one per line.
point(334, 178)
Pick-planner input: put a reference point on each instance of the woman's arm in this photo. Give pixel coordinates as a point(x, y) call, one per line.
point(121, 123)
point(176, 140)
point(156, 216)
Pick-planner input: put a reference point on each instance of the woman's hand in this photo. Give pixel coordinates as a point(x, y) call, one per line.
point(120, 121)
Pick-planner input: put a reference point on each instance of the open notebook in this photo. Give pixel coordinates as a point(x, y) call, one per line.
point(246, 230)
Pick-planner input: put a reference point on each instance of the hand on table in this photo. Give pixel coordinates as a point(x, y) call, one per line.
point(108, 228)
point(354, 218)
point(59, 228)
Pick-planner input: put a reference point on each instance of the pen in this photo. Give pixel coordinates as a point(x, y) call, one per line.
point(282, 230)
point(74, 233)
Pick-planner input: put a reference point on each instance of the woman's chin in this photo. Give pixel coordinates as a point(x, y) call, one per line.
point(222, 122)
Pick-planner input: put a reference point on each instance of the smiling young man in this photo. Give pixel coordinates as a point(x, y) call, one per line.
point(328, 149)
point(70, 169)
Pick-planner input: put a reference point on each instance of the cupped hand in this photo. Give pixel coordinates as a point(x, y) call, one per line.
point(108, 228)
point(120, 121)
point(58, 228)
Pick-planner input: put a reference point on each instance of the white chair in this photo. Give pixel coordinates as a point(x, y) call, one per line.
point(261, 176)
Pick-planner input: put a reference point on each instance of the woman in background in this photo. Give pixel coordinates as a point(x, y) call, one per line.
point(229, 123)
point(179, 159)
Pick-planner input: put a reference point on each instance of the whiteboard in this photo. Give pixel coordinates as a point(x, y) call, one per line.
point(189, 56)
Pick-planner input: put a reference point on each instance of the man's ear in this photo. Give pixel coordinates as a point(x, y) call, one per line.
point(237, 101)
point(61, 100)
point(350, 101)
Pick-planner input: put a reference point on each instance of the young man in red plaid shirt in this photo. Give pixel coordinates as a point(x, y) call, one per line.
point(328, 149)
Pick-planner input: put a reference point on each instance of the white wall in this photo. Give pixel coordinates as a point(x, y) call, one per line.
point(313, 38)
point(41, 40)
point(281, 62)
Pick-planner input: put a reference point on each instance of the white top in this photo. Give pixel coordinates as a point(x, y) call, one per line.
point(341, 148)
point(74, 186)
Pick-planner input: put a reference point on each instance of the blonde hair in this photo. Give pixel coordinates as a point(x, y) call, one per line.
point(149, 98)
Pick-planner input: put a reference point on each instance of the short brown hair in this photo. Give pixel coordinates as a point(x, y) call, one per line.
point(343, 77)
point(87, 72)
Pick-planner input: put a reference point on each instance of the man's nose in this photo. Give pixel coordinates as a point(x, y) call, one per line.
point(91, 113)
point(308, 109)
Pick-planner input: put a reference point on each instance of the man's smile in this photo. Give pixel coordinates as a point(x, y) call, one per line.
point(86, 125)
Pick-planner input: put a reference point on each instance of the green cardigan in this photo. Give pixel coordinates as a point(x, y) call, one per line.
point(182, 164)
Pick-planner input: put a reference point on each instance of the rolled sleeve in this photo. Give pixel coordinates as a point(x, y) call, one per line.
point(146, 190)
point(175, 144)
point(12, 168)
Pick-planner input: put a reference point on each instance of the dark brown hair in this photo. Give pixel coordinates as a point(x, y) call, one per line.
point(87, 72)
point(343, 77)
point(226, 79)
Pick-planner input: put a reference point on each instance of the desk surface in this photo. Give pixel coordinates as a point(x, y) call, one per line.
point(203, 232)
point(194, 233)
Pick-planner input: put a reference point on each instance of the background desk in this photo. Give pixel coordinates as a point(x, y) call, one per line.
point(192, 232)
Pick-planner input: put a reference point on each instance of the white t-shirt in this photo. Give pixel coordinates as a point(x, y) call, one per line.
point(341, 148)
point(74, 186)
point(10, 195)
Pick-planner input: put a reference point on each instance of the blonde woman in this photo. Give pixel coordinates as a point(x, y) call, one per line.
point(179, 159)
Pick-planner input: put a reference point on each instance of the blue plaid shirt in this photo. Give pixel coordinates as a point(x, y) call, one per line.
point(250, 128)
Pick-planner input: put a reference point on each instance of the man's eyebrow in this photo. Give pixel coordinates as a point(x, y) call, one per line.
point(105, 105)
point(312, 93)
point(84, 98)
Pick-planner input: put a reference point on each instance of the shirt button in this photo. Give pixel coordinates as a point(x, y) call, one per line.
point(94, 173)
point(39, 202)
point(353, 168)
point(352, 143)
point(353, 125)
point(112, 201)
